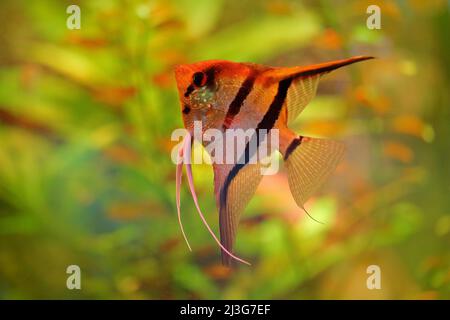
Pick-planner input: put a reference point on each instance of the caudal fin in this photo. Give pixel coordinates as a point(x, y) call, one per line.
point(309, 162)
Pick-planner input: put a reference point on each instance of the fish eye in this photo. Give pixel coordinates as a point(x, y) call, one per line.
point(199, 79)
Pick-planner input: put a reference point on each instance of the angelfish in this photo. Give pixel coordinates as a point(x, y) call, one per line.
point(227, 95)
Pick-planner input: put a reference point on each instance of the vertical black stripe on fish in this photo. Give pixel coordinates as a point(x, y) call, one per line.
point(236, 104)
point(210, 76)
point(271, 116)
point(267, 123)
point(292, 146)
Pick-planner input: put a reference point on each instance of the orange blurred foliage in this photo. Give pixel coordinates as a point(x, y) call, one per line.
point(325, 127)
point(114, 96)
point(218, 271)
point(378, 103)
point(398, 151)
point(329, 40)
point(408, 124)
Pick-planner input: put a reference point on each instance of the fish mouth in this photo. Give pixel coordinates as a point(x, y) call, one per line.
point(184, 158)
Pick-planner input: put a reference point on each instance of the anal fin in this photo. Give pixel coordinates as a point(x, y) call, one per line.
point(239, 191)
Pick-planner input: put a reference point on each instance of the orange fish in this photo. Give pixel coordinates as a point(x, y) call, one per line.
point(226, 95)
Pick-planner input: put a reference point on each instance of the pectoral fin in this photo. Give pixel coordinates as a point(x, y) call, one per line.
point(185, 156)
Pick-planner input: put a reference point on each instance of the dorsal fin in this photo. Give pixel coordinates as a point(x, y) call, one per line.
point(305, 71)
point(305, 81)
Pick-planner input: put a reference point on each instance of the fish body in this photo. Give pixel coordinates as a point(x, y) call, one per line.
point(226, 95)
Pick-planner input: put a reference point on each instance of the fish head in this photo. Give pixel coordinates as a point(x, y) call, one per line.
point(206, 90)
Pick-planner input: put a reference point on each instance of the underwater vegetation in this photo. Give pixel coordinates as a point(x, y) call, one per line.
point(86, 176)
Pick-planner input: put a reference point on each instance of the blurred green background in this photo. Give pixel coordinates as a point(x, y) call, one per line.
point(86, 176)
